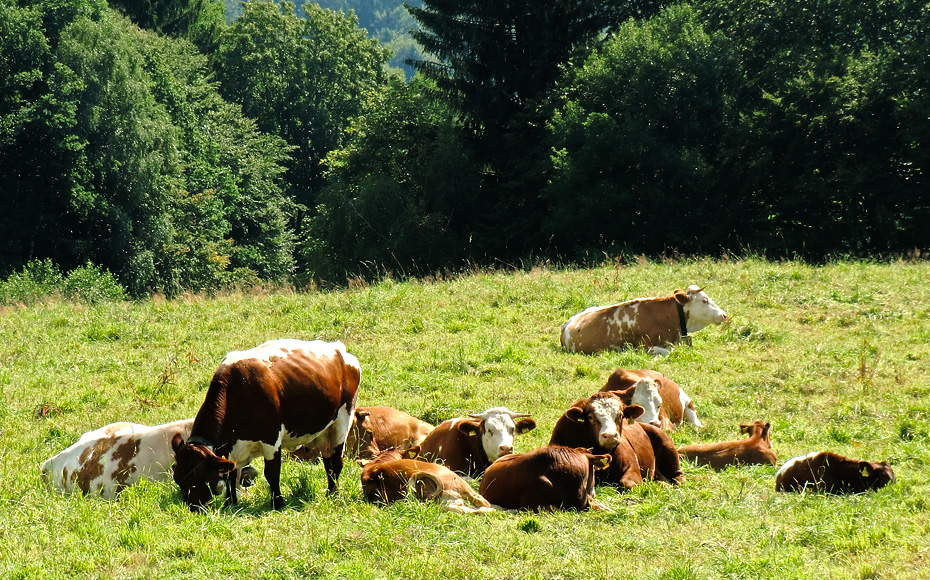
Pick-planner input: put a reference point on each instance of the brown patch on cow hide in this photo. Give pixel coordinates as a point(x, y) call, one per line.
point(125, 453)
point(91, 464)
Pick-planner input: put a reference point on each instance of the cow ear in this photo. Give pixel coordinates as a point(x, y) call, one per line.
point(470, 428)
point(411, 453)
point(682, 297)
point(575, 414)
point(177, 442)
point(223, 465)
point(526, 425)
point(865, 469)
point(633, 412)
point(361, 415)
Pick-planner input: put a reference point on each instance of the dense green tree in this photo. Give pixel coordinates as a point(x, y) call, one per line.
point(635, 140)
point(301, 79)
point(200, 21)
point(398, 193)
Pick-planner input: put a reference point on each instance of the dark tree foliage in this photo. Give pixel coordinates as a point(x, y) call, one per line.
point(635, 142)
point(301, 79)
point(398, 194)
point(200, 21)
point(829, 154)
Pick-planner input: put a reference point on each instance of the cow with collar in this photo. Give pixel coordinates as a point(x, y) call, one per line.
point(280, 395)
point(469, 445)
point(652, 323)
point(604, 424)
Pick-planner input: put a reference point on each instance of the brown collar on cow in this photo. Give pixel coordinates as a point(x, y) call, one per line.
point(198, 440)
point(681, 319)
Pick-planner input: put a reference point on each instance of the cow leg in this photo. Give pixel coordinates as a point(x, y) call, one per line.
point(333, 466)
point(273, 475)
point(232, 485)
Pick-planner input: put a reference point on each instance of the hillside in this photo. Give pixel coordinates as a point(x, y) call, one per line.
point(836, 357)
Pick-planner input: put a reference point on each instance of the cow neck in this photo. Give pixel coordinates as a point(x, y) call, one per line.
point(681, 319)
point(208, 425)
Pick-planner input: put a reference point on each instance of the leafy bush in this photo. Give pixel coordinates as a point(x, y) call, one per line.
point(42, 279)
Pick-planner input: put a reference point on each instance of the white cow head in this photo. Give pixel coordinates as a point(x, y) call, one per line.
point(646, 395)
point(700, 310)
point(498, 429)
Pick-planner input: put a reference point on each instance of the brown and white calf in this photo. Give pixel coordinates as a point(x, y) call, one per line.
point(604, 424)
point(279, 395)
point(469, 445)
point(677, 406)
point(552, 477)
point(390, 477)
point(380, 428)
point(754, 450)
point(107, 460)
point(652, 323)
point(832, 473)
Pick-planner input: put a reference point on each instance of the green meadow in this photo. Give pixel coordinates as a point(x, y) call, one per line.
point(836, 357)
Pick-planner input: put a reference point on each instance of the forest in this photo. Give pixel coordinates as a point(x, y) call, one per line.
point(191, 145)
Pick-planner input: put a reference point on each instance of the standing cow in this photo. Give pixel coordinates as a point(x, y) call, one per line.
point(604, 424)
point(677, 406)
point(646, 322)
point(832, 473)
point(469, 445)
point(552, 477)
point(280, 395)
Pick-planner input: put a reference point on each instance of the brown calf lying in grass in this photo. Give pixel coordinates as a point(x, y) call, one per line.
point(756, 449)
point(832, 473)
point(390, 477)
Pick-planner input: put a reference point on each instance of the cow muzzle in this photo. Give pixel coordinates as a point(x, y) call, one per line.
point(609, 440)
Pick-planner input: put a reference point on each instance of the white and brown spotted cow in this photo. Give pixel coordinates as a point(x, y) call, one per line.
point(676, 406)
point(469, 445)
point(107, 460)
point(279, 395)
point(653, 323)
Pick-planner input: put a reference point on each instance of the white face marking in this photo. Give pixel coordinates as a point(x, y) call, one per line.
point(604, 413)
point(499, 429)
point(690, 415)
point(701, 310)
point(646, 395)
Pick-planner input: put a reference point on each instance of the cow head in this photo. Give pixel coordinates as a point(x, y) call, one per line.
point(603, 414)
point(497, 428)
point(646, 395)
point(198, 471)
point(760, 428)
point(875, 475)
point(700, 310)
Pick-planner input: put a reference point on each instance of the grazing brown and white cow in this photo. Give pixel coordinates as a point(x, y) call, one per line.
point(647, 322)
point(639, 451)
point(552, 477)
point(676, 404)
point(754, 450)
point(390, 477)
point(279, 395)
point(469, 445)
point(832, 473)
point(107, 460)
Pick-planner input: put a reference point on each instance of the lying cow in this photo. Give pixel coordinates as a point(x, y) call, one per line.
point(107, 460)
point(652, 323)
point(755, 450)
point(377, 429)
point(280, 395)
point(551, 477)
point(639, 451)
point(677, 406)
point(469, 445)
point(391, 477)
point(832, 473)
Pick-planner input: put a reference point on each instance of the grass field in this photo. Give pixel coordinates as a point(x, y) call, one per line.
point(837, 357)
